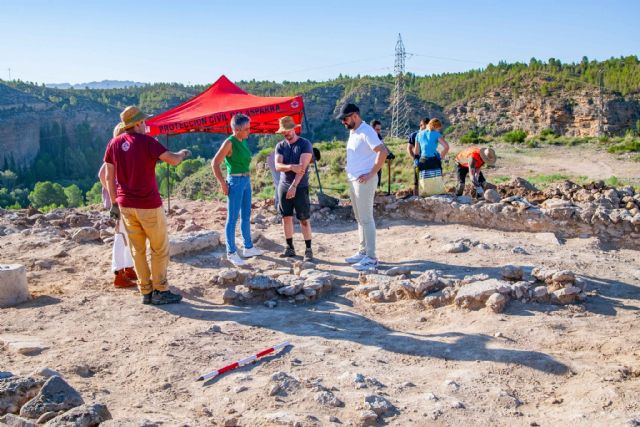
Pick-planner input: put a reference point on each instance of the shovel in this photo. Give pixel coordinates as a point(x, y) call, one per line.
point(324, 200)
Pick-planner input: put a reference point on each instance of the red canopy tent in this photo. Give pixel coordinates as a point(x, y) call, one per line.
point(211, 111)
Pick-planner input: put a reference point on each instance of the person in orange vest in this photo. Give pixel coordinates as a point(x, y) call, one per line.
point(469, 161)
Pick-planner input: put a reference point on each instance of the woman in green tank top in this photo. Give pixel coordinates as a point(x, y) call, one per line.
point(237, 157)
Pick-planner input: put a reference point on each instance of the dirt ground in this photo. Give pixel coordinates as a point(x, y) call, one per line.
point(534, 364)
point(584, 160)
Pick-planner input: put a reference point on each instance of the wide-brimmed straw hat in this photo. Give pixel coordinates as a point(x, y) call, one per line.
point(131, 116)
point(286, 124)
point(488, 155)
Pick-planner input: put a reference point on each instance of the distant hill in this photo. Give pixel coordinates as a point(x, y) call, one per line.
point(104, 84)
point(56, 134)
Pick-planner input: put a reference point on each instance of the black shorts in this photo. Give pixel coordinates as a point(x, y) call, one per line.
point(300, 203)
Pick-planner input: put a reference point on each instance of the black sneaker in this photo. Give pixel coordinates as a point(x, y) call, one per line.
point(166, 297)
point(308, 255)
point(146, 298)
point(288, 253)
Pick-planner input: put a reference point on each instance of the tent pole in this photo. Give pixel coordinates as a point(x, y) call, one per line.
point(168, 181)
point(306, 123)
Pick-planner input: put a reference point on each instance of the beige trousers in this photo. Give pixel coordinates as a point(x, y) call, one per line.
point(362, 202)
point(143, 225)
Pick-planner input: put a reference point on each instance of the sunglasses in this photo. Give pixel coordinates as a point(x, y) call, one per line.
point(344, 119)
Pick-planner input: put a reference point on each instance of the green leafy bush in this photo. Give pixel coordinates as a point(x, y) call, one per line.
point(471, 137)
point(46, 194)
point(516, 136)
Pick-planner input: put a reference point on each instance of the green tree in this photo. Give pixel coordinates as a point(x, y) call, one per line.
point(94, 195)
point(189, 167)
point(74, 196)
point(8, 179)
point(47, 193)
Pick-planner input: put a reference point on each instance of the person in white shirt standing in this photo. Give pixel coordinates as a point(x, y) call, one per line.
point(365, 157)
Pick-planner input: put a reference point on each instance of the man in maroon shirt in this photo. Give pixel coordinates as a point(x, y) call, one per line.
point(131, 163)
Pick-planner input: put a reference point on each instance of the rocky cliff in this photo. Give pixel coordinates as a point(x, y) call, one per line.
point(571, 113)
point(24, 115)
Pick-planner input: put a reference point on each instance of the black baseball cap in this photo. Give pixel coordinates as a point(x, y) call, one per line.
point(346, 110)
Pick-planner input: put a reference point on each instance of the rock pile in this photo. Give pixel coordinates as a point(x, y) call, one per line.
point(81, 226)
point(40, 399)
point(478, 291)
point(299, 283)
point(567, 209)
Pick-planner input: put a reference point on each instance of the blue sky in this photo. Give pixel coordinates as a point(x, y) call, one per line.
point(195, 41)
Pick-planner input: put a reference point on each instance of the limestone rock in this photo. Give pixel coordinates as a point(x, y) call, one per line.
point(292, 285)
point(454, 248)
point(230, 296)
point(399, 270)
point(426, 282)
point(496, 302)
point(15, 391)
point(55, 395)
point(327, 398)
point(13, 285)
point(45, 372)
point(367, 418)
point(283, 383)
point(522, 183)
point(379, 405)
point(491, 196)
point(193, 242)
point(23, 344)
point(566, 295)
point(564, 276)
point(511, 272)
point(82, 416)
point(262, 283)
point(376, 296)
point(519, 289)
point(227, 274)
point(86, 234)
point(473, 296)
point(543, 274)
point(540, 292)
point(277, 272)
point(12, 420)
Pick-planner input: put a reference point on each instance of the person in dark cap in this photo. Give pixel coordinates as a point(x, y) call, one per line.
point(366, 154)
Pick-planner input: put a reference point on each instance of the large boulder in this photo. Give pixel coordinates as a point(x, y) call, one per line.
point(55, 395)
point(85, 235)
point(82, 416)
point(15, 391)
point(13, 285)
point(193, 242)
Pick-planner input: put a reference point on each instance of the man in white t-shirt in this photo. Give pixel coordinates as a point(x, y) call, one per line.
point(365, 157)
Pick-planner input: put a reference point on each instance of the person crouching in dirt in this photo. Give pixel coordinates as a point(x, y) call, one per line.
point(469, 161)
point(131, 181)
point(293, 155)
point(121, 262)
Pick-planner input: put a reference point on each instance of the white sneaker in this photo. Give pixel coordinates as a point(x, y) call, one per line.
point(252, 252)
point(235, 259)
point(357, 257)
point(366, 264)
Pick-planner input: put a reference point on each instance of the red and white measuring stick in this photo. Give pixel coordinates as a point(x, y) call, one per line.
point(243, 362)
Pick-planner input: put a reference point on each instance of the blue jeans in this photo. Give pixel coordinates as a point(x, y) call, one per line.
point(238, 204)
